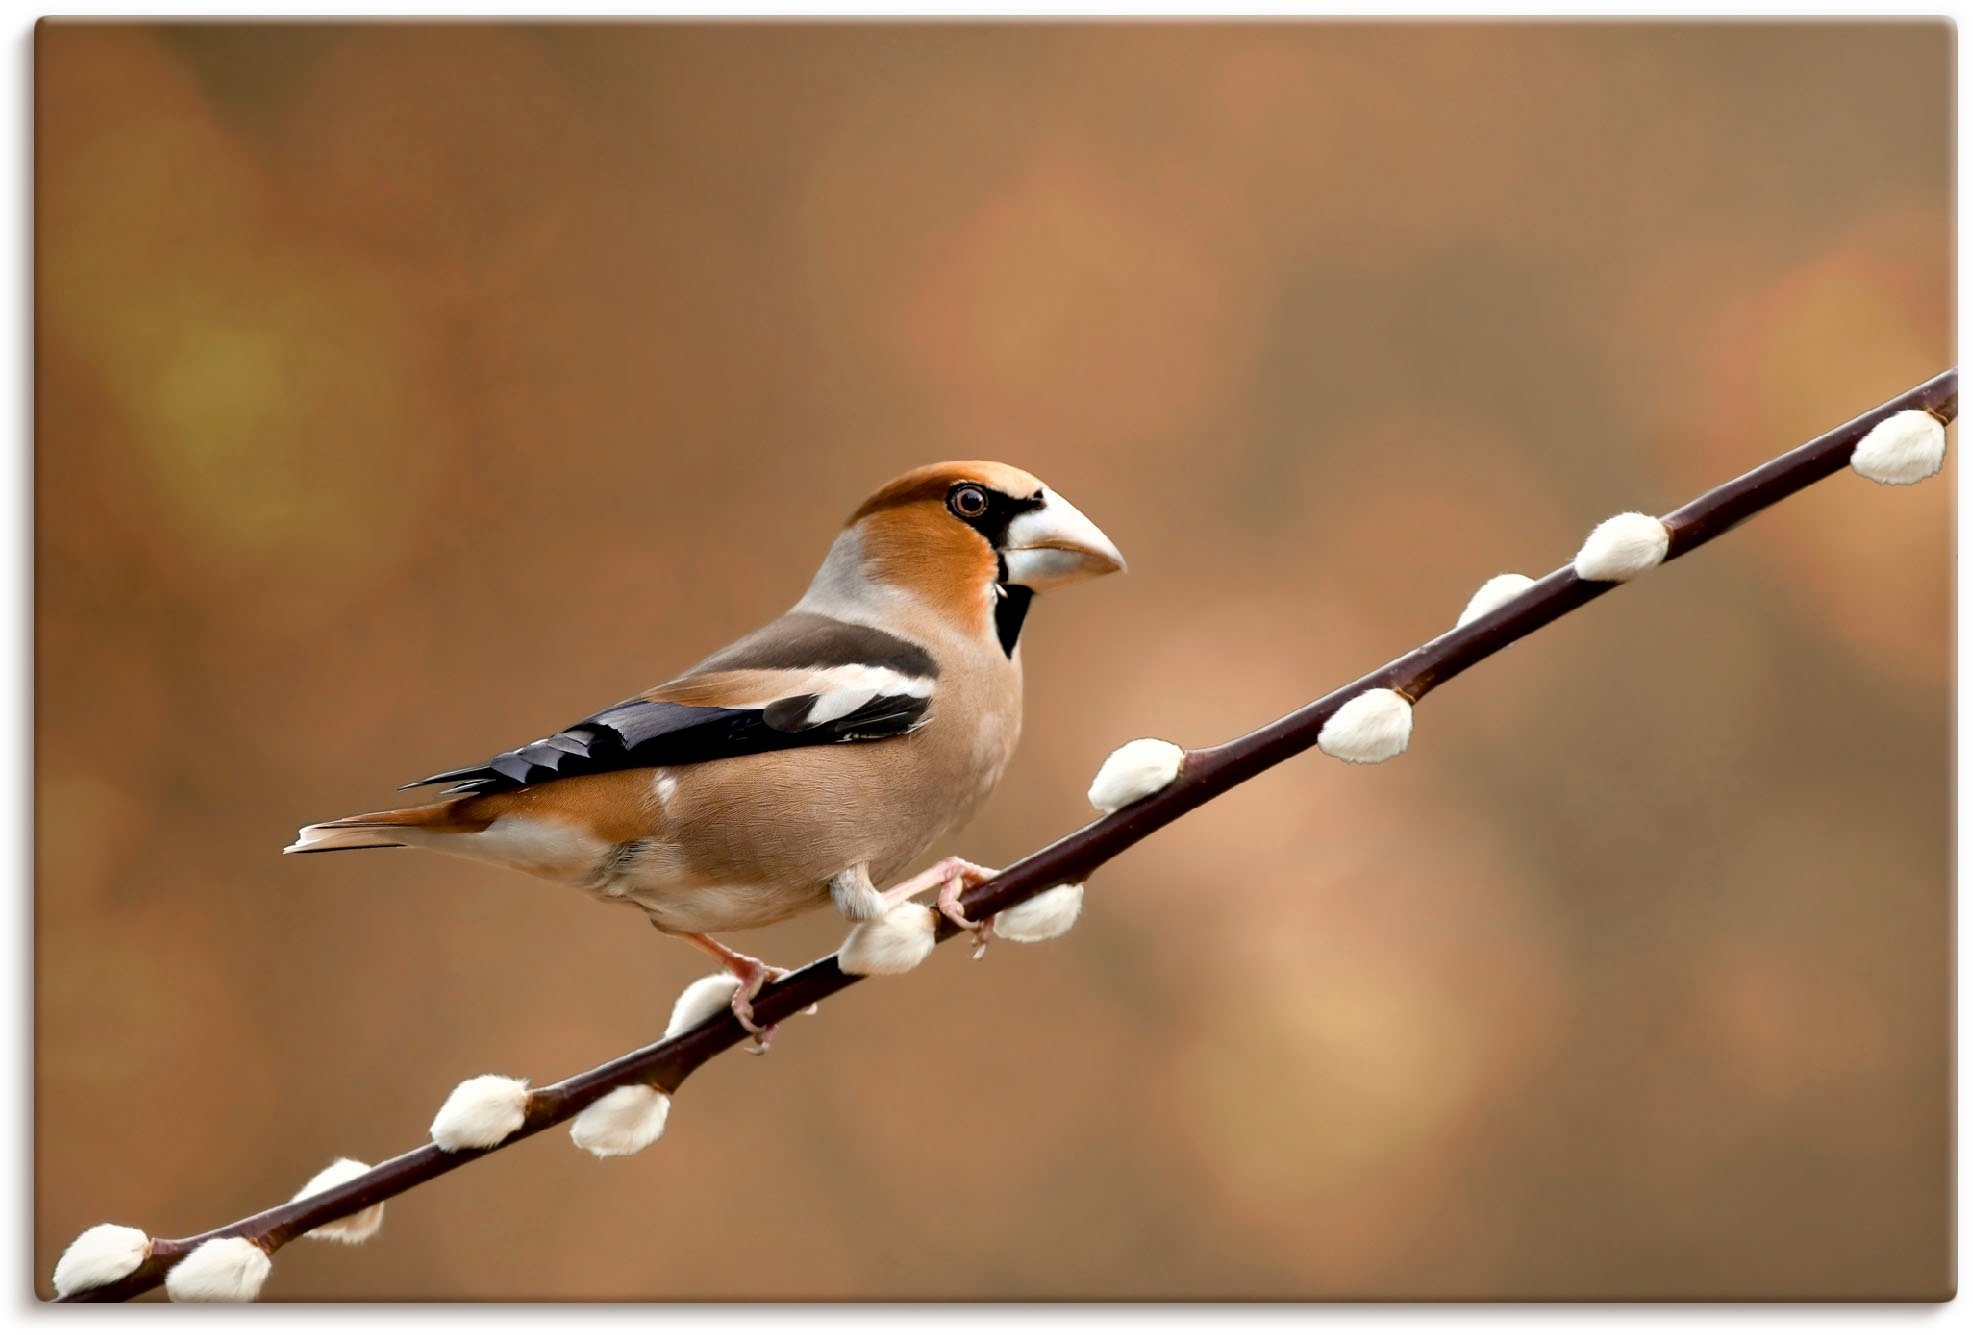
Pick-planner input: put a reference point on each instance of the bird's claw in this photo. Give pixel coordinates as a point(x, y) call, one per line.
point(753, 976)
point(953, 877)
point(962, 876)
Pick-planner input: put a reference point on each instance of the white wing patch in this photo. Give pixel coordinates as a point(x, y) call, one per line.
point(841, 691)
point(832, 705)
point(848, 689)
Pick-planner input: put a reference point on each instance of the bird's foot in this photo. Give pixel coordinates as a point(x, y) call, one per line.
point(954, 877)
point(743, 1011)
point(752, 975)
point(950, 906)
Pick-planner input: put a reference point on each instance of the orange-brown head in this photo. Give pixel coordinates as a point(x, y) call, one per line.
point(969, 536)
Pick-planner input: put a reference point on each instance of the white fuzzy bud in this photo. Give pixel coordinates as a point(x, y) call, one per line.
point(224, 1270)
point(625, 1120)
point(1368, 729)
point(700, 1001)
point(898, 942)
point(1904, 448)
point(100, 1255)
point(1043, 918)
point(1622, 547)
point(353, 1228)
point(480, 1113)
point(1133, 772)
point(1496, 592)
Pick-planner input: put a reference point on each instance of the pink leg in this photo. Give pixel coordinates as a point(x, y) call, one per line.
point(752, 974)
point(953, 877)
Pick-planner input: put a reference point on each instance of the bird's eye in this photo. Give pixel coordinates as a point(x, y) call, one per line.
point(968, 502)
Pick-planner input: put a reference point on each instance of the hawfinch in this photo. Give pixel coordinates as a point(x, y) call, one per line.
point(807, 763)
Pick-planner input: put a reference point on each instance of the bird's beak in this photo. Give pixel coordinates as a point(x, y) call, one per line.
point(1056, 545)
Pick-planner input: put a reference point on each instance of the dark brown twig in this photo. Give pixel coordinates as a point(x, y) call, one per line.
point(1206, 774)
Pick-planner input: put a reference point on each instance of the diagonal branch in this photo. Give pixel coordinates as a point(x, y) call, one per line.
point(1205, 774)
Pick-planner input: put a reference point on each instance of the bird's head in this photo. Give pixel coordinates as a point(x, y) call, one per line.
point(977, 539)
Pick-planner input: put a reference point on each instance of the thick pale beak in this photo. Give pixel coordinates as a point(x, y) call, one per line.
point(1057, 545)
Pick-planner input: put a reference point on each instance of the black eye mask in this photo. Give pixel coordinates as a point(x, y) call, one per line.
point(1000, 511)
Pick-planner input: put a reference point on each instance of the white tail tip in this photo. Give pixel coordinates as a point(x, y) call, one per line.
point(323, 838)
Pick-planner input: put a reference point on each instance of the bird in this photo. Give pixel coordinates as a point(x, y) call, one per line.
point(805, 764)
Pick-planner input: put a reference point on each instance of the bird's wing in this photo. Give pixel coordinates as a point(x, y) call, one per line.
point(805, 680)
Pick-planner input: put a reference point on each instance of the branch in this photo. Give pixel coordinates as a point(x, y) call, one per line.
point(1204, 775)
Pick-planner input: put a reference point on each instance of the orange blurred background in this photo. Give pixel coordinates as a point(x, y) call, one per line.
point(404, 392)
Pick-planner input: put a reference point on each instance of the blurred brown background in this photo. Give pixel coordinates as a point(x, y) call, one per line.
point(404, 392)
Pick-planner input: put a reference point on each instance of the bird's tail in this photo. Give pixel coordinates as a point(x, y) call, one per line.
point(382, 829)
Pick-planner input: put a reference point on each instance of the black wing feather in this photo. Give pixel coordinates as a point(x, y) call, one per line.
point(641, 732)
